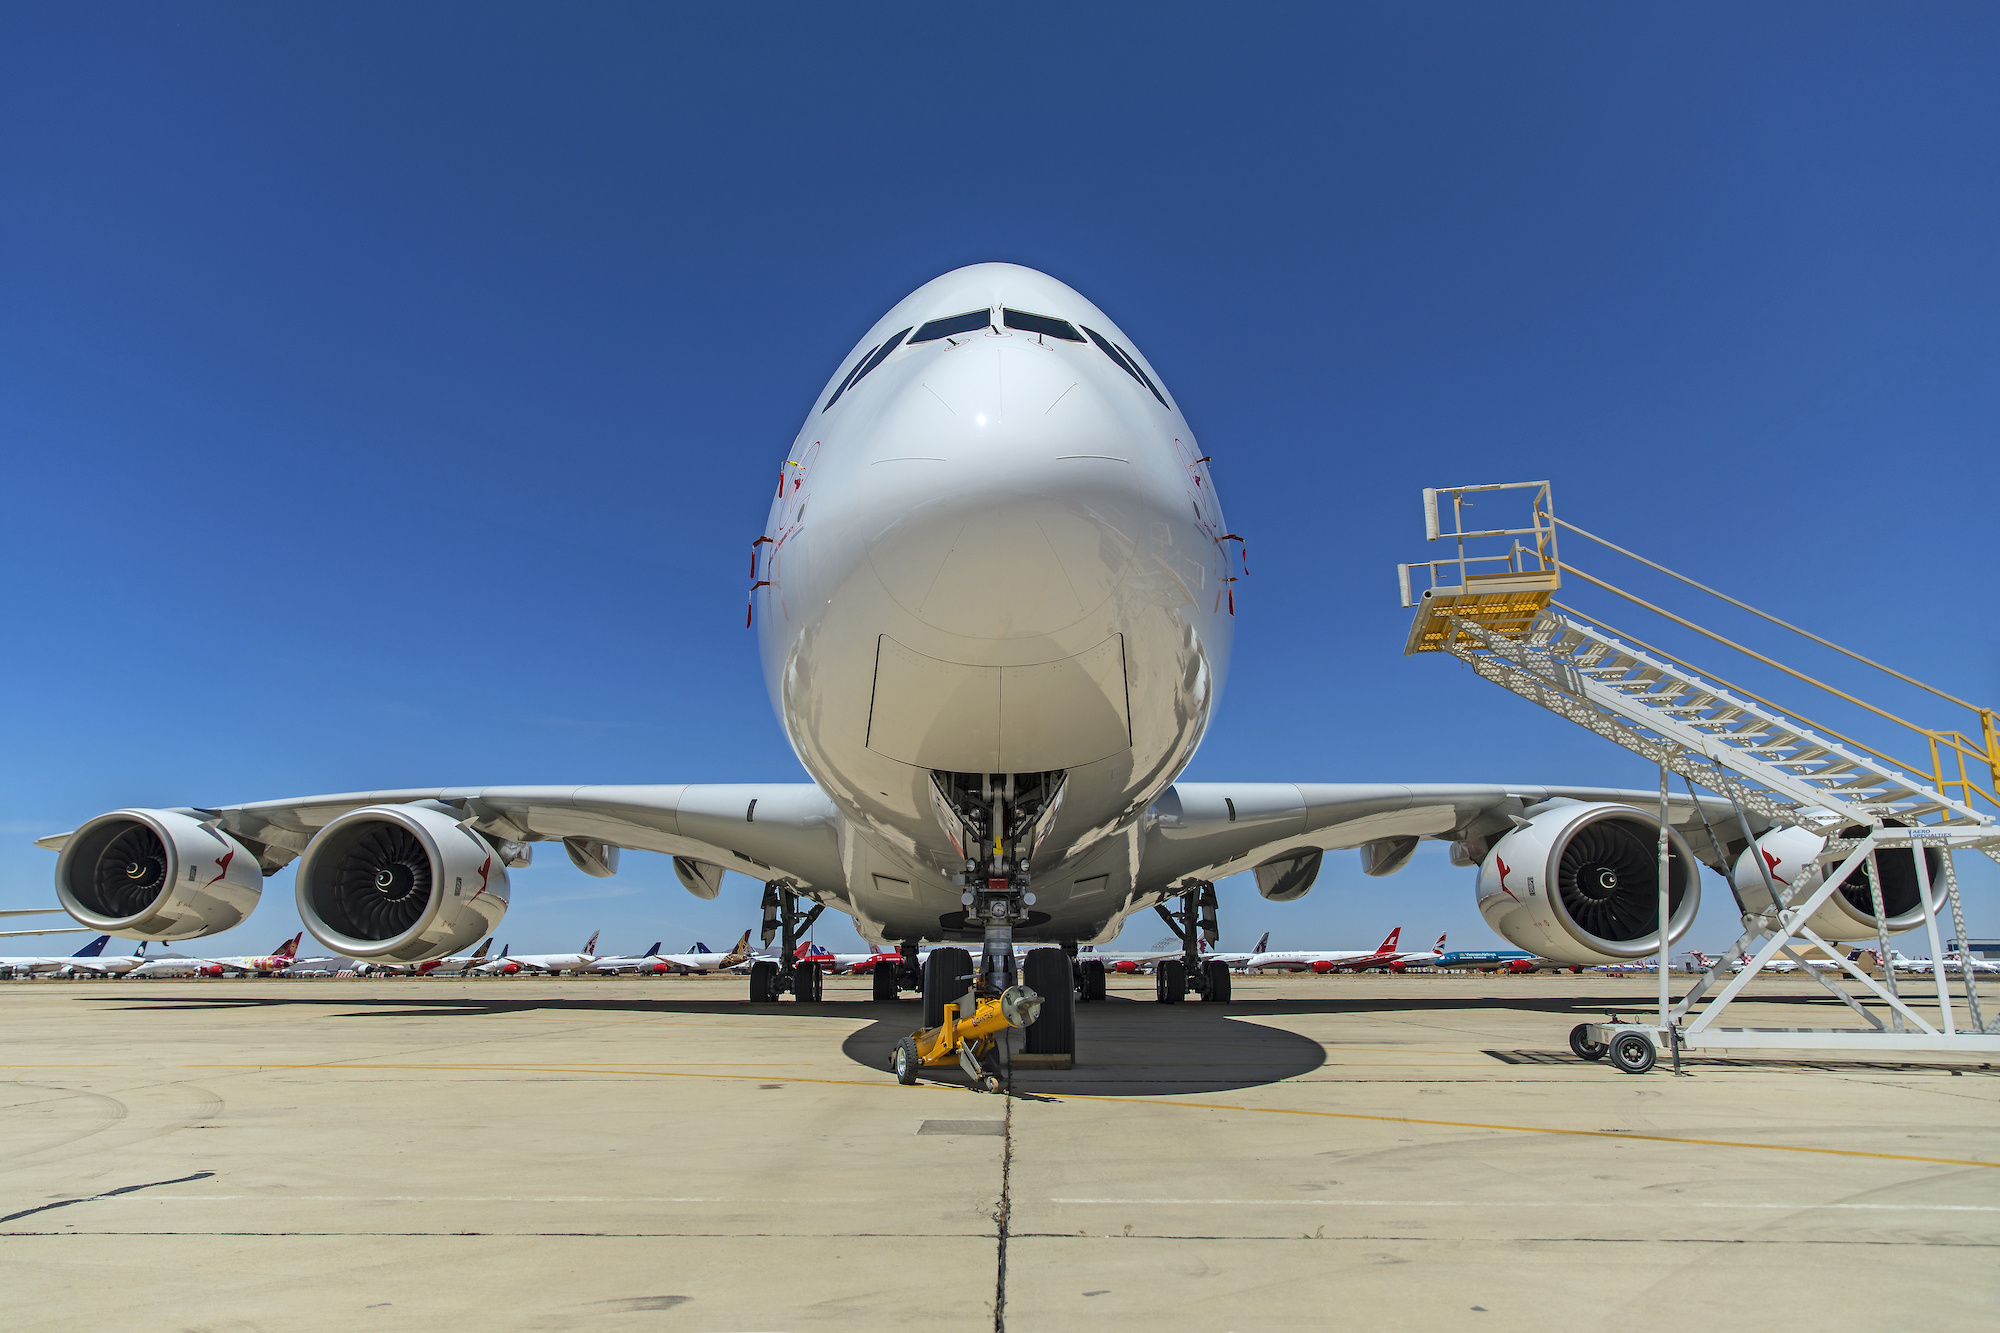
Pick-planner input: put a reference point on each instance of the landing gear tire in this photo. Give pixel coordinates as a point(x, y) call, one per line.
point(1170, 980)
point(763, 982)
point(1583, 1047)
point(947, 976)
point(905, 1061)
point(808, 983)
point(1218, 981)
point(884, 978)
point(1047, 973)
point(1090, 980)
point(1633, 1053)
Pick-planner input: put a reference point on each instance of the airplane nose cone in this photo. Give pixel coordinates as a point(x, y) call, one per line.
point(1013, 492)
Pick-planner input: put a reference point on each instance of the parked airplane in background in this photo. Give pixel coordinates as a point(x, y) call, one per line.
point(455, 966)
point(177, 965)
point(638, 962)
point(1327, 960)
point(555, 963)
point(1501, 960)
point(1240, 961)
point(31, 965)
point(994, 647)
point(103, 965)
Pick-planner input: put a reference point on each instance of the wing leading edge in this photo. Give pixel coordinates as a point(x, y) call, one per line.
point(1206, 830)
point(767, 831)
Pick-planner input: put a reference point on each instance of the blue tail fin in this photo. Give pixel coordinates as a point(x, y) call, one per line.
point(92, 949)
point(699, 947)
point(654, 950)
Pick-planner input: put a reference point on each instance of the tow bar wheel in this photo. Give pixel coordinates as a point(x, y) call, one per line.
point(905, 1061)
point(1633, 1052)
point(1583, 1047)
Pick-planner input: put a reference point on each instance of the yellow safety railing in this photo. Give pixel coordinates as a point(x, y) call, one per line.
point(1506, 600)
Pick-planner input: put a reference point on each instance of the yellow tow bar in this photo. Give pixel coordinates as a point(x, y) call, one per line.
point(968, 1044)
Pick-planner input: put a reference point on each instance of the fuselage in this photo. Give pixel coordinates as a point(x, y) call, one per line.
point(994, 551)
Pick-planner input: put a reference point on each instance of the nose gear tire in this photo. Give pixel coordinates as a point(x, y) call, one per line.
point(947, 976)
point(1171, 979)
point(1047, 973)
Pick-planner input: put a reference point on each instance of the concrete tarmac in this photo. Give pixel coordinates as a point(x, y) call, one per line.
point(658, 1154)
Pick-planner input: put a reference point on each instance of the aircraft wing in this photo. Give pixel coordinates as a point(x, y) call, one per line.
point(1206, 830)
point(767, 831)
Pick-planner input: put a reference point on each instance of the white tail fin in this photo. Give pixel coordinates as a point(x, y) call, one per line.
point(590, 947)
point(1263, 941)
point(1439, 946)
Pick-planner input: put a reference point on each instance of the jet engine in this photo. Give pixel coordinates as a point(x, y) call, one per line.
point(400, 884)
point(1849, 912)
point(156, 875)
point(1579, 883)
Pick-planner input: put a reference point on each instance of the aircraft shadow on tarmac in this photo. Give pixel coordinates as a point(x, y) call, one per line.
point(1124, 1047)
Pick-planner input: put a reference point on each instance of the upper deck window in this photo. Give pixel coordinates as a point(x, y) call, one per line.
point(866, 364)
point(955, 324)
point(1042, 324)
point(1126, 363)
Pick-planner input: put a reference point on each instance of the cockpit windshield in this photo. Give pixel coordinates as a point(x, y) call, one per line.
point(945, 328)
point(862, 367)
point(1125, 362)
point(1042, 324)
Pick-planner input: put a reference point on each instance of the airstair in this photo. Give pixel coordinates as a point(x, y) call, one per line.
point(1493, 606)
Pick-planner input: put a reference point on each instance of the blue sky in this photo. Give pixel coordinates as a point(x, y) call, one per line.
point(389, 393)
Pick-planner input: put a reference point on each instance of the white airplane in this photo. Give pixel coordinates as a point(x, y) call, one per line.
point(1329, 960)
point(508, 965)
point(32, 966)
point(101, 965)
point(177, 965)
point(995, 599)
point(699, 959)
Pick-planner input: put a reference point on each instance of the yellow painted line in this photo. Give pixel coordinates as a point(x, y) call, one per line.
point(600, 1069)
point(1158, 1101)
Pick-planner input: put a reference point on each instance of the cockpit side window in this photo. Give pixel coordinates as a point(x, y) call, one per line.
point(866, 364)
point(1042, 324)
point(1125, 362)
point(955, 324)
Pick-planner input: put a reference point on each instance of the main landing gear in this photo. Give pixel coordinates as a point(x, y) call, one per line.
point(770, 979)
point(1208, 978)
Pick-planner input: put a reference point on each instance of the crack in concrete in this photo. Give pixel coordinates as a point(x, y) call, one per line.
point(92, 1198)
point(1002, 1214)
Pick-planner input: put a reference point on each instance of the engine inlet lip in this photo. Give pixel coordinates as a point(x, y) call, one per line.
point(308, 884)
point(81, 853)
point(1681, 918)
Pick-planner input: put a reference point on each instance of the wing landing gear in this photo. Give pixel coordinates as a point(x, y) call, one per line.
point(1196, 927)
point(771, 979)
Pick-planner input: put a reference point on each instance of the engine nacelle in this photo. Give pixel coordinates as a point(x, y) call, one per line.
point(1848, 914)
point(1579, 883)
point(156, 875)
point(400, 884)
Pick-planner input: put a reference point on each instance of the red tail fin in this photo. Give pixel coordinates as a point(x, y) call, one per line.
point(1389, 945)
point(290, 948)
